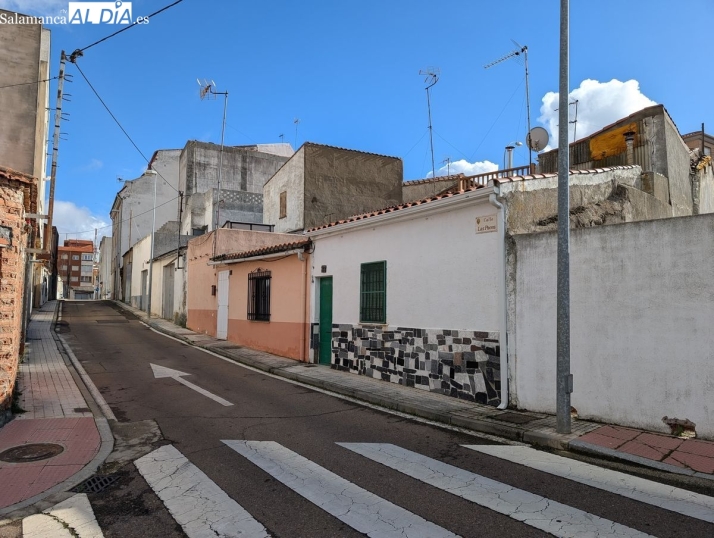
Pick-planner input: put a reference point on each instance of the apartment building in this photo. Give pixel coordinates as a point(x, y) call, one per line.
point(76, 269)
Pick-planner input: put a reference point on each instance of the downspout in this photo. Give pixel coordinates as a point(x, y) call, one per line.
point(503, 302)
point(302, 258)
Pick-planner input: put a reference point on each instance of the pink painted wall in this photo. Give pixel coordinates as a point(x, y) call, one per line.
point(287, 333)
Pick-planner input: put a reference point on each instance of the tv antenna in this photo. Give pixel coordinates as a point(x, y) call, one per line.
point(281, 136)
point(537, 139)
point(207, 91)
point(575, 121)
point(432, 77)
point(296, 121)
point(521, 50)
point(447, 162)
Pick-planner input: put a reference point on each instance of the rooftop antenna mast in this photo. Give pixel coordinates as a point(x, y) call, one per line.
point(296, 121)
point(521, 50)
point(207, 91)
point(432, 77)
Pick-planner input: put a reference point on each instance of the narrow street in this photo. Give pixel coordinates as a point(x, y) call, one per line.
point(323, 443)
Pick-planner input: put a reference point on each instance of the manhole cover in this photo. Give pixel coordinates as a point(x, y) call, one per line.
point(514, 418)
point(31, 452)
point(95, 484)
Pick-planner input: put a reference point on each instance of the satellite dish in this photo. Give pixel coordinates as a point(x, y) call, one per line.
point(537, 138)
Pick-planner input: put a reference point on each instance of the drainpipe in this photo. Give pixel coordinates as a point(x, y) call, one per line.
point(503, 301)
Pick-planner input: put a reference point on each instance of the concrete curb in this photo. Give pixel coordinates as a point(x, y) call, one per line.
point(482, 424)
point(106, 439)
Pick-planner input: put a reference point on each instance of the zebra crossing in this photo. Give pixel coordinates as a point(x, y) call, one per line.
point(203, 509)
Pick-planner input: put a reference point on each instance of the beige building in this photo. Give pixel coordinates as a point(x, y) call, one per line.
point(321, 184)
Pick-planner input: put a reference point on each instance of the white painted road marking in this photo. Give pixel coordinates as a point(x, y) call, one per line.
point(196, 502)
point(71, 518)
point(162, 371)
point(358, 508)
point(539, 512)
point(670, 498)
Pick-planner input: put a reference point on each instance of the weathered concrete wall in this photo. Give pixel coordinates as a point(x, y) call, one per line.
point(244, 168)
point(22, 108)
point(677, 169)
point(15, 199)
point(425, 188)
point(291, 180)
point(201, 306)
point(532, 205)
point(340, 183)
point(703, 189)
point(641, 317)
point(106, 284)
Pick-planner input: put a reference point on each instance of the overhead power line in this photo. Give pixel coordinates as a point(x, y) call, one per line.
point(28, 83)
point(119, 124)
point(79, 52)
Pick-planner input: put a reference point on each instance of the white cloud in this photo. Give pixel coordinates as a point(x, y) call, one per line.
point(599, 104)
point(465, 167)
point(70, 219)
point(35, 7)
point(92, 166)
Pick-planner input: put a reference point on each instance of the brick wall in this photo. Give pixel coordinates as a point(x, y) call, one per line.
point(12, 272)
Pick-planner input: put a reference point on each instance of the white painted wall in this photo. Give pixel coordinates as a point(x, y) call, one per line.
point(141, 256)
point(642, 313)
point(440, 273)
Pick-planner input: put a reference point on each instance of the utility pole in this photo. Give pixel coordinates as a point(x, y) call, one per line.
point(564, 379)
point(55, 150)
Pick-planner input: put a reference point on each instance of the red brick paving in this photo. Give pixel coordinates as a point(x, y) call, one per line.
point(20, 481)
point(693, 454)
point(602, 440)
point(645, 451)
point(694, 462)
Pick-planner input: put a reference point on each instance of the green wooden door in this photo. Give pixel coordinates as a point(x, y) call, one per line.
point(326, 320)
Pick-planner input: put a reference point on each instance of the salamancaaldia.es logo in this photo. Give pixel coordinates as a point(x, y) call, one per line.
point(102, 13)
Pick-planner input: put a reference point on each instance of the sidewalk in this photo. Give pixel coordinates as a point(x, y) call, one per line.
point(57, 438)
point(664, 452)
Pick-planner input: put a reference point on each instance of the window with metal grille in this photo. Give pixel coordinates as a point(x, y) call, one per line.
point(283, 204)
point(373, 293)
point(259, 295)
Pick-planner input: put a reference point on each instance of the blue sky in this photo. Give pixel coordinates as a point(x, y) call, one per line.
point(348, 69)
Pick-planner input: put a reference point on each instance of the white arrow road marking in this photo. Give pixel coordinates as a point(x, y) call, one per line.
point(539, 512)
point(194, 500)
point(358, 508)
point(670, 498)
point(162, 371)
point(71, 518)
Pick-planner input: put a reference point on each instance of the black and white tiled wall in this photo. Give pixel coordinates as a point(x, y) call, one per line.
point(463, 364)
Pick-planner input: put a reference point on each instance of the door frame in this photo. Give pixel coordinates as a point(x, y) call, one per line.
point(319, 317)
point(221, 323)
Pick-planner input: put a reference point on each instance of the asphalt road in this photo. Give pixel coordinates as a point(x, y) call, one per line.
point(116, 350)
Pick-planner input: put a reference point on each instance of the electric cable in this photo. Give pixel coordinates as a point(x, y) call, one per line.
point(28, 83)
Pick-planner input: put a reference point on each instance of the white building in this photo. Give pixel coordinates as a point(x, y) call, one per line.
point(414, 294)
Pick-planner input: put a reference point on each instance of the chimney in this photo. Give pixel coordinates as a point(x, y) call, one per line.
point(630, 141)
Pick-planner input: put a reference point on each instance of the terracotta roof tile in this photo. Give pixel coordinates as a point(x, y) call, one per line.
point(452, 177)
point(572, 172)
point(272, 249)
point(394, 208)
point(314, 144)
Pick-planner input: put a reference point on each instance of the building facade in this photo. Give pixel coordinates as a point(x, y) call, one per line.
point(321, 184)
point(76, 269)
point(18, 195)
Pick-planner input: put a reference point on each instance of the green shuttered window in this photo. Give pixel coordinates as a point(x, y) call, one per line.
point(373, 293)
